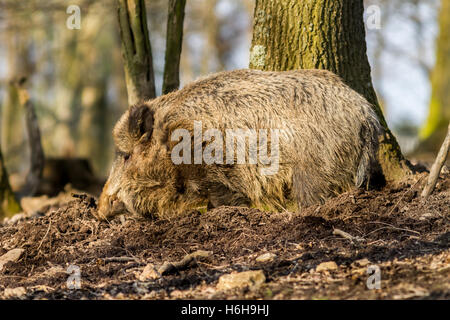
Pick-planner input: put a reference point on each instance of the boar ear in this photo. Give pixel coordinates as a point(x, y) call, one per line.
point(140, 121)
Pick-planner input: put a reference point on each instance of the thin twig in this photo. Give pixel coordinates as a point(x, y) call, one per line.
point(390, 226)
point(185, 262)
point(119, 259)
point(45, 235)
point(346, 235)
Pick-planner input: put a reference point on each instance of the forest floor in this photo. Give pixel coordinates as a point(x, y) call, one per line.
point(392, 232)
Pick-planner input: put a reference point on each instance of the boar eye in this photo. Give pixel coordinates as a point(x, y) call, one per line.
point(123, 155)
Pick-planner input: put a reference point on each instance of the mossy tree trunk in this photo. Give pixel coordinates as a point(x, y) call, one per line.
point(322, 34)
point(136, 49)
point(8, 203)
point(434, 130)
point(174, 41)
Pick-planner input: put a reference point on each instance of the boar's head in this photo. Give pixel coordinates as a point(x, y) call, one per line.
point(142, 177)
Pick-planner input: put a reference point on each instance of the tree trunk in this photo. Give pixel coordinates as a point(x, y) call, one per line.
point(174, 41)
point(322, 34)
point(8, 203)
point(435, 127)
point(13, 139)
point(37, 157)
point(13, 134)
point(136, 49)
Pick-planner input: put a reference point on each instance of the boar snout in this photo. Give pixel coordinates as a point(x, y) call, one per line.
point(109, 206)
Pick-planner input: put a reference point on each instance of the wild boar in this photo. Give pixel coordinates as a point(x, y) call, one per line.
point(322, 136)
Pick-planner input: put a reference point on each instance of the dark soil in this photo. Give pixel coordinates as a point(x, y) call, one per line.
point(407, 237)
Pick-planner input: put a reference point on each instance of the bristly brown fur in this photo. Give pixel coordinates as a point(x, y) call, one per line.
point(328, 143)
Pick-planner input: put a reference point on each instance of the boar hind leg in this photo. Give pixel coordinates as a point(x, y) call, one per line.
point(304, 189)
point(220, 195)
point(369, 174)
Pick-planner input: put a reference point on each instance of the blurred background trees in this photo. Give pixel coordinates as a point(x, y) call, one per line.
point(402, 53)
point(76, 78)
point(434, 129)
point(8, 202)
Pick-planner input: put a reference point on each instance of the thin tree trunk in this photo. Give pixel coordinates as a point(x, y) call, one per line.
point(174, 41)
point(136, 50)
point(37, 158)
point(12, 130)
point(322, 34)
point(8, 202)
point(434, 129)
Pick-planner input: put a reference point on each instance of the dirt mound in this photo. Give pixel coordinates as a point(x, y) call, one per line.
point(407, 238)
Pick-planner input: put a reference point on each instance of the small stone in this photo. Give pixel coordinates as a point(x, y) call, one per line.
point(266, 257)
point(14, 292)
point(362, 262)
point(149, 273)
point(17, 217)
point(357, 273)
point(42, 288)
point(176, 294)
point(326, 266)
point(120, 296)
point(12, 255)
point(241, 280)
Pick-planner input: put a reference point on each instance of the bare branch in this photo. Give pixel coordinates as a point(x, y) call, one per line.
point(437, 166)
